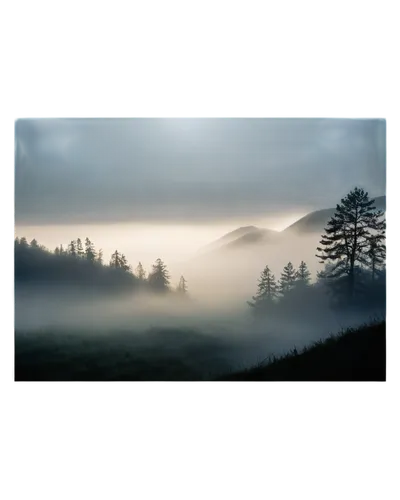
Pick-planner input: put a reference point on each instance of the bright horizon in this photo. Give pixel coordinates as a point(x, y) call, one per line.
point(174, 243)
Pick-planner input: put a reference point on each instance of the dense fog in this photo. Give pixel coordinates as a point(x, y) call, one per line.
point(220, 281)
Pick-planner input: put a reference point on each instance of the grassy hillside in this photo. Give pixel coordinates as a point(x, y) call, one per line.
point(354, 355)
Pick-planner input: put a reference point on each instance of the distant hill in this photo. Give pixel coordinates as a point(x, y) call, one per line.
point(316, 221)
point(230, 237)
point(257, 236)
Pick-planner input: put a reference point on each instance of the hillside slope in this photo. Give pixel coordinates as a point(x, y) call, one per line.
point(356, 355)
point(316, 221)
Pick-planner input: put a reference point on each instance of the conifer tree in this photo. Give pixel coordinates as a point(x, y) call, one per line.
point(115, 260)
point(99, 259)
point(62, 251)
point(23, 242)
point(34, 243)
point(182, 285)
point(56, 251)
point(376, 255)
point(288, 278)
point(90, 252)
point(303, 275)
point(159, 277)
point(140, 273)
point(124, 264)
point(72, 248)
point(347, 237)
point(79, 248)
point(267, 289)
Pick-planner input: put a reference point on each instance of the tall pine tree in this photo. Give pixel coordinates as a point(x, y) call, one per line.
point(303, 275)
point(159, 277)
point(182, 285)
point(124, 264)
point(115, 260)
point(266, 289)
point(376, 255)
point(72, 248)
point(140, 273)
point(90, 252)
point(288, 278)
point(99, 259)
point(347, 237)
point(79, 248)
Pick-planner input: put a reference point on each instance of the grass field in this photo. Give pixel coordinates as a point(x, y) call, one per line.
point(173, 355)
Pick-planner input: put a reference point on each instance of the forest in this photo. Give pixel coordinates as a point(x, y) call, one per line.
point(350, 284)
point(353, 249)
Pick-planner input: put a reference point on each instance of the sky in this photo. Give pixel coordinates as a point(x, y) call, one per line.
point(191, 171)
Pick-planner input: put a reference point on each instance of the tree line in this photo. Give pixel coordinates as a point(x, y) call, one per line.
point(158, 278)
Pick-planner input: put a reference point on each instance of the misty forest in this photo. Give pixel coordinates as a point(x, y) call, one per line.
point(234, 314)
point(200, 249)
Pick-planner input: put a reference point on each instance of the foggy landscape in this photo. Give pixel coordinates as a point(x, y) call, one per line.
point(184, 249)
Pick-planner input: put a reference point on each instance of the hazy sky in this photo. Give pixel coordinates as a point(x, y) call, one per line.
point(189, 171)
point(167, 187)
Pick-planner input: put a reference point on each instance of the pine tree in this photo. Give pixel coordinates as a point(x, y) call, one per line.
point(376, 255)
point(124, 264)
point(288, 278)
point(115, 260)
point(56, 251)
point(303, 275)
point(23, 242)
point(182, 286)
point(34, 243)
point(62, 251)
point(140, 273)
point(99, 259)
point(266, 289)
point(347, 237)
point(159, 277)
point(90, 252)
point(79, 248)
point(72, 248)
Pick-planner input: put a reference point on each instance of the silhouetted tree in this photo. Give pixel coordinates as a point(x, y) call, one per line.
point(347, 237)
point(62, 251)
point(303, 275)
point(124, 263)
point(79, 248)
point(56, 251)
point(72, 248)
point(159, 277)
point(267, 289)
point(99, 259)
point(34, 243)
point(90, 252)
point(115, 260)
point(182, 285)
point(288, 278)
point(23, 242)
point(140, 272)
point(376, 254)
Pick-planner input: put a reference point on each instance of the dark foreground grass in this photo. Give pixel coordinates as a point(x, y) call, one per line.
point(166, 355)
point(353, 355)
point(178, 355)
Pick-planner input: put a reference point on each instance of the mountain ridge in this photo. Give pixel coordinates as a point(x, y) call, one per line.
point(312, 222)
